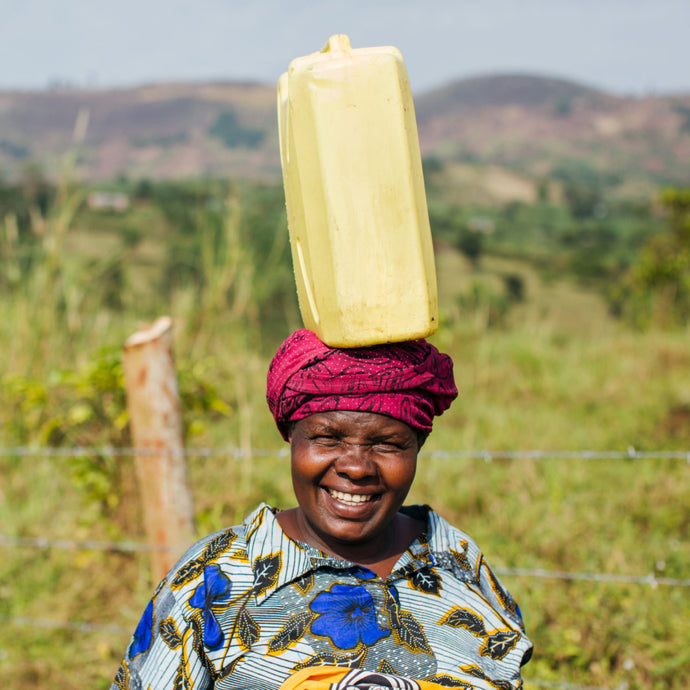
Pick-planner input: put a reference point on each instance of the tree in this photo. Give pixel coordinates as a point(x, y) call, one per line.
point(660, 279)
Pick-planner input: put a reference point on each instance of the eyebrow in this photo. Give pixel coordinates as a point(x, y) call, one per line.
point(377, 436)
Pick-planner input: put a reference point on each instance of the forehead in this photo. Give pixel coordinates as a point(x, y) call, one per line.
point(354, 423)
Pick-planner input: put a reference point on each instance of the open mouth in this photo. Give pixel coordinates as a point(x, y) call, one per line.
point(350, 499)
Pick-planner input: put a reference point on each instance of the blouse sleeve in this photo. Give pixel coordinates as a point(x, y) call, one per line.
point(502, 601)
point(500, 598)
point(162, 653)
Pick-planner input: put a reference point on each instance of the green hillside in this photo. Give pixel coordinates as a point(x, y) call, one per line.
point(540, 126)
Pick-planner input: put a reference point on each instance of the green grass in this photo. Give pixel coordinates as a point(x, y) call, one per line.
point(521, 388)
point(553, 373)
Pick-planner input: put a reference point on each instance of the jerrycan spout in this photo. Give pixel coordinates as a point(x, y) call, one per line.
point(337, 43)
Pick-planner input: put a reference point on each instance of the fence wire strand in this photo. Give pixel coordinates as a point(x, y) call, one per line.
point(74, 544)
point(569, 686)
point(71, 544)
point(87, 627)
point(243, 454)
point(77, 626)
point(652, 580)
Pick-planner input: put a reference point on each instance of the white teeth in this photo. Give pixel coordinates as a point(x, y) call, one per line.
point(353, 499)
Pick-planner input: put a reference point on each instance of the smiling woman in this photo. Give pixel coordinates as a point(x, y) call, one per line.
point(350, 578)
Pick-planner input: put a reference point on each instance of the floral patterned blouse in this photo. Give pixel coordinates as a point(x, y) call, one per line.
point(248, 606)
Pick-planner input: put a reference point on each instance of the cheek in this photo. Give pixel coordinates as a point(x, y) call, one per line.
point(299, 477)
point(306, 468)
point(402, 475)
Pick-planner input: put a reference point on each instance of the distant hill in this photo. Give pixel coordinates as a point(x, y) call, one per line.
point(157, 131)
point(535, 125)
point(544, 126)
point(504, 90)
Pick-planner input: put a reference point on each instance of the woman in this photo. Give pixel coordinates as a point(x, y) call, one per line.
point(348, 579)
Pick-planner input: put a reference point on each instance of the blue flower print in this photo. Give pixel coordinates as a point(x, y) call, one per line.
point(347, 616)
point(143, 635)
point(215, 588)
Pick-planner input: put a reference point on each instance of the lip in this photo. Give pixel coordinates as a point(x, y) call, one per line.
point(348, 508)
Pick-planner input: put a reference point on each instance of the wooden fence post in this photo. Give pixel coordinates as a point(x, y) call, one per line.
point(156, 421)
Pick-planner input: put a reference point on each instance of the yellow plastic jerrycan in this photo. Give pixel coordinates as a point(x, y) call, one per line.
point(357, 212)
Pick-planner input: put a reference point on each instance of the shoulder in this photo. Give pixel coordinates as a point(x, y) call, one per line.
point(211, 548)
point(454, 550)
point(470, 559)
point(444, 534)
point(225, 550)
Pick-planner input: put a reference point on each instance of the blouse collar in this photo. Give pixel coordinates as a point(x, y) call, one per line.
point(277, 560)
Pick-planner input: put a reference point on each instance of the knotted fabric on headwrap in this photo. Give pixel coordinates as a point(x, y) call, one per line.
point(410, 381)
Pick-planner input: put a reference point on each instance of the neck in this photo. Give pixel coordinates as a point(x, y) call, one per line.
point(379, 556)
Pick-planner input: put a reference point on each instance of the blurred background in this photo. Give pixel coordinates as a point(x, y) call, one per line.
point(140, 176)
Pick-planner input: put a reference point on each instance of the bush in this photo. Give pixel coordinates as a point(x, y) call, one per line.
point(657, 287)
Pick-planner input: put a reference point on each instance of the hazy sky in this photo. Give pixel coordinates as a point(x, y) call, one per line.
point(628, 46)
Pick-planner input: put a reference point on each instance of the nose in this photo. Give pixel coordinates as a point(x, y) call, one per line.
point(355, 462)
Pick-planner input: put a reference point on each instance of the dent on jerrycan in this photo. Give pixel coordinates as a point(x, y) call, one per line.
point(356, 204)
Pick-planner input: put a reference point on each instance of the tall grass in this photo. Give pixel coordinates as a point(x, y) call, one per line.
point(553, 372)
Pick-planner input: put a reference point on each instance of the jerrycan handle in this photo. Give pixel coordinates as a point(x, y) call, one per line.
point(337, 43)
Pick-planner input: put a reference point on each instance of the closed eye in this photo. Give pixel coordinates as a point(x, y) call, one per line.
point(325, 440)
point(389, 446)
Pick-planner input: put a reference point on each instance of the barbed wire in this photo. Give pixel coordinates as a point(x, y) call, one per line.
point(569, 686)
point(652, 580)
point(86, 627)
point(79, 626)
point(244, 454)
point(73, 544)
point(238, 454)
point(629, 454)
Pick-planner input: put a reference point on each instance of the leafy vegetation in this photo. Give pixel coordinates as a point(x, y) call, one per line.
point(657, 287)
point(540, 309)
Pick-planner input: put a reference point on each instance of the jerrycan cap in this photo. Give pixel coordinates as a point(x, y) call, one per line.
point(337, 43)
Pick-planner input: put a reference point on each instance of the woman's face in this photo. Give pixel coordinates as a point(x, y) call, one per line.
point(351, 472)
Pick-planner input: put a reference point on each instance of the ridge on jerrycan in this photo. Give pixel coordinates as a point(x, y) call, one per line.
point(356, 204)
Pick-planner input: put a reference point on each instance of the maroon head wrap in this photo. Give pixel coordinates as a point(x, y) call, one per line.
point(410, 381)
